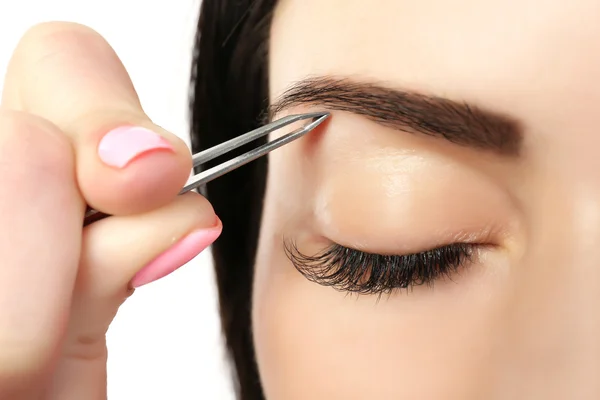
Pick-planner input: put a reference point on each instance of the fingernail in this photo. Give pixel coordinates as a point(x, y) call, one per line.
point(122, 145)
point(178, 255)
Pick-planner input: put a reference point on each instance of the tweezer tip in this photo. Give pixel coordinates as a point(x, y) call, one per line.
point(319, 118)
point(318, 115)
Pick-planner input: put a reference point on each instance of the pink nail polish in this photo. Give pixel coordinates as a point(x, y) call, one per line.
point(178, 255)
point(122, 145)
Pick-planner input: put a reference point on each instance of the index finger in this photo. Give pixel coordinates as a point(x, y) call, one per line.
point(69, 75)
point(40, 240)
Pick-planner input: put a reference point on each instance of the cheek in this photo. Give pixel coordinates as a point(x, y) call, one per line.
point(315, 343)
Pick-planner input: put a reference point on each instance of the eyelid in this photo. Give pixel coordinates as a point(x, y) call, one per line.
point(486, 234)
point(355, 209)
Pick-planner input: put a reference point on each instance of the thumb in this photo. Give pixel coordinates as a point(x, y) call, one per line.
point(118, 254)
point(69, 75)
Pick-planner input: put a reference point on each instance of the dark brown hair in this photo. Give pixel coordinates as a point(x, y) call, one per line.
point(229, 95)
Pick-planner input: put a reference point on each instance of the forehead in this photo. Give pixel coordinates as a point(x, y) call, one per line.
point(487, 51)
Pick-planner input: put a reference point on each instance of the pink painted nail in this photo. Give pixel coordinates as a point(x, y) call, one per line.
point(122, 145)
point(178, 255)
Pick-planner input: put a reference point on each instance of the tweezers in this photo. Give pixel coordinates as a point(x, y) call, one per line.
point(217, 171)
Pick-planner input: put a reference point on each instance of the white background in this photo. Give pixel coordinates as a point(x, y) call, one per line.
point(165, 342)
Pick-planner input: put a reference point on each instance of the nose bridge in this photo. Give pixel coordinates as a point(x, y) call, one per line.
point(550, 334)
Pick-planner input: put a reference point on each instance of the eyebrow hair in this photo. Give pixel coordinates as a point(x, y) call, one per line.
point(457, 122)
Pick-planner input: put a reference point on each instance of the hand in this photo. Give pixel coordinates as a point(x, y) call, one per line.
point(72, 132)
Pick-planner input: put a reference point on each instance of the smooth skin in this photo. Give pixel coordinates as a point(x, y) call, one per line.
point(61, 285)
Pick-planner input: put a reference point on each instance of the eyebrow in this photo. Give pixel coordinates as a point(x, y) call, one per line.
point(457, 122)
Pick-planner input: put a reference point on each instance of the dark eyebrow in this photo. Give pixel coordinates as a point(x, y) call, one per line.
point(457, 122)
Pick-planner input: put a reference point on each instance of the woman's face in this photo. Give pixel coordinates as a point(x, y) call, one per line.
point(444, 223)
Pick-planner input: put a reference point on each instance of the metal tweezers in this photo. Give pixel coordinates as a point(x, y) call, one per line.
point(202, 157)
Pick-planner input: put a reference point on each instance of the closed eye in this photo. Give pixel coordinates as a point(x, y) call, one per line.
point(355, 271)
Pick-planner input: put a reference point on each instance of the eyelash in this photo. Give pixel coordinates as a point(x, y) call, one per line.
point(354, 271)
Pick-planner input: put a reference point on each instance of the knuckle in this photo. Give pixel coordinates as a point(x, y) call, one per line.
point(31, 145)
point(49, 43)
point(54, 46)
point(45, 33)
point(61, 58)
